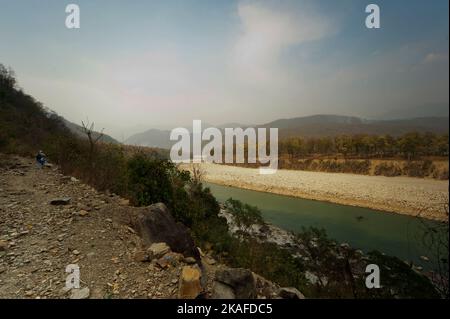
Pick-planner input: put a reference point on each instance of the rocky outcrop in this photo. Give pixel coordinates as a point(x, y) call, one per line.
point(237, 282)
point(155, 224)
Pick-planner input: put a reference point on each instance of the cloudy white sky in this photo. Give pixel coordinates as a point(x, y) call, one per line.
point(139, 64)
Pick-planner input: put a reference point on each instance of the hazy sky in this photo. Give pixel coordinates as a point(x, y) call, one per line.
point(142, 64)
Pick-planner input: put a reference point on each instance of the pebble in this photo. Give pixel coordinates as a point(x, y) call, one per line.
point(82, 293)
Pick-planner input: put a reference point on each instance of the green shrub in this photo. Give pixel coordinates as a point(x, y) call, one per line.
point(244, 215)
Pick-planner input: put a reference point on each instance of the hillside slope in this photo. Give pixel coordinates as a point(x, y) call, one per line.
point(39, 240)
point(315, 126)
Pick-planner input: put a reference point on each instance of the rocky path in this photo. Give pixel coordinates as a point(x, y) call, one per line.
point(38, 240)
point(49, 221)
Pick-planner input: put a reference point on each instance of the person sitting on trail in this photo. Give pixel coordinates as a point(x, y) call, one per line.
point(40, 159)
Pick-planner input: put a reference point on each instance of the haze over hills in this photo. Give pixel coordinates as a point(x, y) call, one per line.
point(314, 126)
point(423, 110)
point(78, 130)
point(331, 125)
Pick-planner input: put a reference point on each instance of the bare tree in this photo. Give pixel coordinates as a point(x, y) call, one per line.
point(197, 174)
point(93, 138)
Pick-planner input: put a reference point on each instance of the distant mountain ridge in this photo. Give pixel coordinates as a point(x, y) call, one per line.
point(331, 125)
point(320, 125)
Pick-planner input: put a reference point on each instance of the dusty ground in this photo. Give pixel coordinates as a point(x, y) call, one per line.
point(38, 241)
point(404, 195)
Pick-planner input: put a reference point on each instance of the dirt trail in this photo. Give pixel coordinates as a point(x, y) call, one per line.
point(38, 240)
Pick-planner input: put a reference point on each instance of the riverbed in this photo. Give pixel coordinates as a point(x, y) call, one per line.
point(402, 195)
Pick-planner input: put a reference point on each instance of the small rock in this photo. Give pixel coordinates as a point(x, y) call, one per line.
point(240, 280)
point(124, 202)
point(167, 260)
point(290, 293)
point(424, 258)
point(75, 252)
point(83, 213)
point(3, 245)
point(189, 286)
point(64, 291)
point(141, 256)
point(189, 260)
point(222, 291)
point(158, 250)
point(82, 293)
point(210, 261)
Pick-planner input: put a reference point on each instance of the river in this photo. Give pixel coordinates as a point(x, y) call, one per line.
point(363, 228)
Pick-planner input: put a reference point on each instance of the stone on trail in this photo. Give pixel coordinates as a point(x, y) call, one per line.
point(190, 260)
point(157, 250)
point(141, 256)
point(290, 293)
point(189, 286)
point(82, 293)
point(155, 224)
point(60, 201)
point(170, 259)
point(83, 213)
point(3, 245)
point(240, 280)
point(124, 202)
point(222, 291)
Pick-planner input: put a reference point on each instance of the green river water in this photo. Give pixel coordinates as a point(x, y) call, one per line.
point(363, 228)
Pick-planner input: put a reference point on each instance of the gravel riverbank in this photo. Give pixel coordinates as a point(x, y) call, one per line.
point(404, 195)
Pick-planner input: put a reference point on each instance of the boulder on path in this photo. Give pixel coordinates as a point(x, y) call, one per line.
point(189, 283)
point(241, 282)
point(155, 224)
